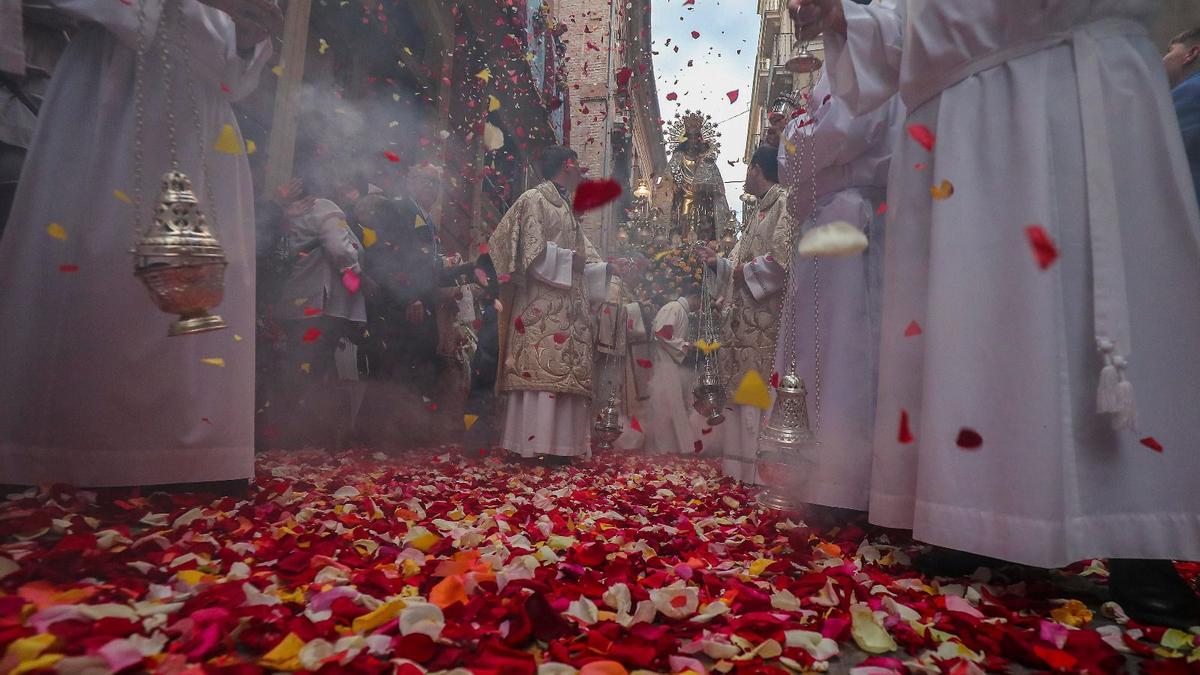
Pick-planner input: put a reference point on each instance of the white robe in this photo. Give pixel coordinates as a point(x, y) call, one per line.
point(1072, 131)
point(670, 429)
point(93, 392)
point(837, 300)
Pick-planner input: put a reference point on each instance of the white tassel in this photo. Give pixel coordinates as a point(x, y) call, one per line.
point(1126, 417)
point(1110, 379)
point(1106, 395)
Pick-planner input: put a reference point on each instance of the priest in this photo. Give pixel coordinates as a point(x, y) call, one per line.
point(669, 426)
point(548, 269)
point(835, 164)
point(1042, 286)
point(752, 277)
point(94, 393)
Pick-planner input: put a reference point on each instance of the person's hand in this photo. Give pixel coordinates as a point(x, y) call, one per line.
point(814, 17)
point(415, 313)
point(288, 192)
point(256, 20)
point(300, 207)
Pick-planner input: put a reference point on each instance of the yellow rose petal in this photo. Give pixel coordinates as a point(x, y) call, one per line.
point(385, 613)
point(122, 196)
point(369, 237)
point(228, 142)
point(285, 656)
point(56, 231)
point(942, 191)
point(753, 392)
point(215, 361)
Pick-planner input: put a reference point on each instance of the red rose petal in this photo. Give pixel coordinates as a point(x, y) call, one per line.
point(311, 335)
point(635, 425)
point(913, 330)
point(351, 281)
point(906, 435)
point(1044, 250)
point(921, 134)
point(593, 194)
point(391, 156)
point(68, 268)
point(699, 446)
point(968, 439)
point(733, 95)
point(883, 208)
point(645, 363)
point(666, 332)
point(1154, 445)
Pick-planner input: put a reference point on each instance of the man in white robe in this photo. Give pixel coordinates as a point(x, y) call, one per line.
point(669, 427)
point(842, 159)
point(1042, 274)
point(549, 270)
point(752, 277)
point(93, 391)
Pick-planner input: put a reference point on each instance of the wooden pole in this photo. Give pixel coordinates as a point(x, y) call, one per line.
point(281, 152)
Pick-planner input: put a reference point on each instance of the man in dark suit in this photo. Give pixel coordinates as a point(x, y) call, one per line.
point(1183, 69)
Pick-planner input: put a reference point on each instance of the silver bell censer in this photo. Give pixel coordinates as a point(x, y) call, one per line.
point(709, 392)
point(786, 446)
point(181, 263)
point(177, 256)
point(608, 424)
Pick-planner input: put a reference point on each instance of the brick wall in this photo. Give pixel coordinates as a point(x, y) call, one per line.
point(587, 76)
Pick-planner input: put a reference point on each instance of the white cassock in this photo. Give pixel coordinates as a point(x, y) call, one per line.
point(837, 300)
point(670, 429)
point(1051, 113)
point(93, 391)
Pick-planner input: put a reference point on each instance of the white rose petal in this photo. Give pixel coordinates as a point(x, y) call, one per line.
point(422, 618)
point(585, 610)
point(618, 598)
point(313, 654)
point(786, 601)
point(188, 518)
point(676, 601)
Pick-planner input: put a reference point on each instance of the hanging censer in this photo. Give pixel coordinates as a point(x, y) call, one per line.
point(787, 446)
point(608, 424)
point(177, 257)
point(709, 391)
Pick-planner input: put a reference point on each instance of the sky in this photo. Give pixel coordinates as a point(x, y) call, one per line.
point(722, 61)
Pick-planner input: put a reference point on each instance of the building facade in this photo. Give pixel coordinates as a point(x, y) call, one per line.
point(776, 44)
point(609, 66)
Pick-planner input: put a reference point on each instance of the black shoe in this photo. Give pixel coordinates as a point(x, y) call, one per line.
point(1152, 592)
point(948, 562)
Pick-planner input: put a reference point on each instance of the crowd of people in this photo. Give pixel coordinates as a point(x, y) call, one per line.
point(1017, 169)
